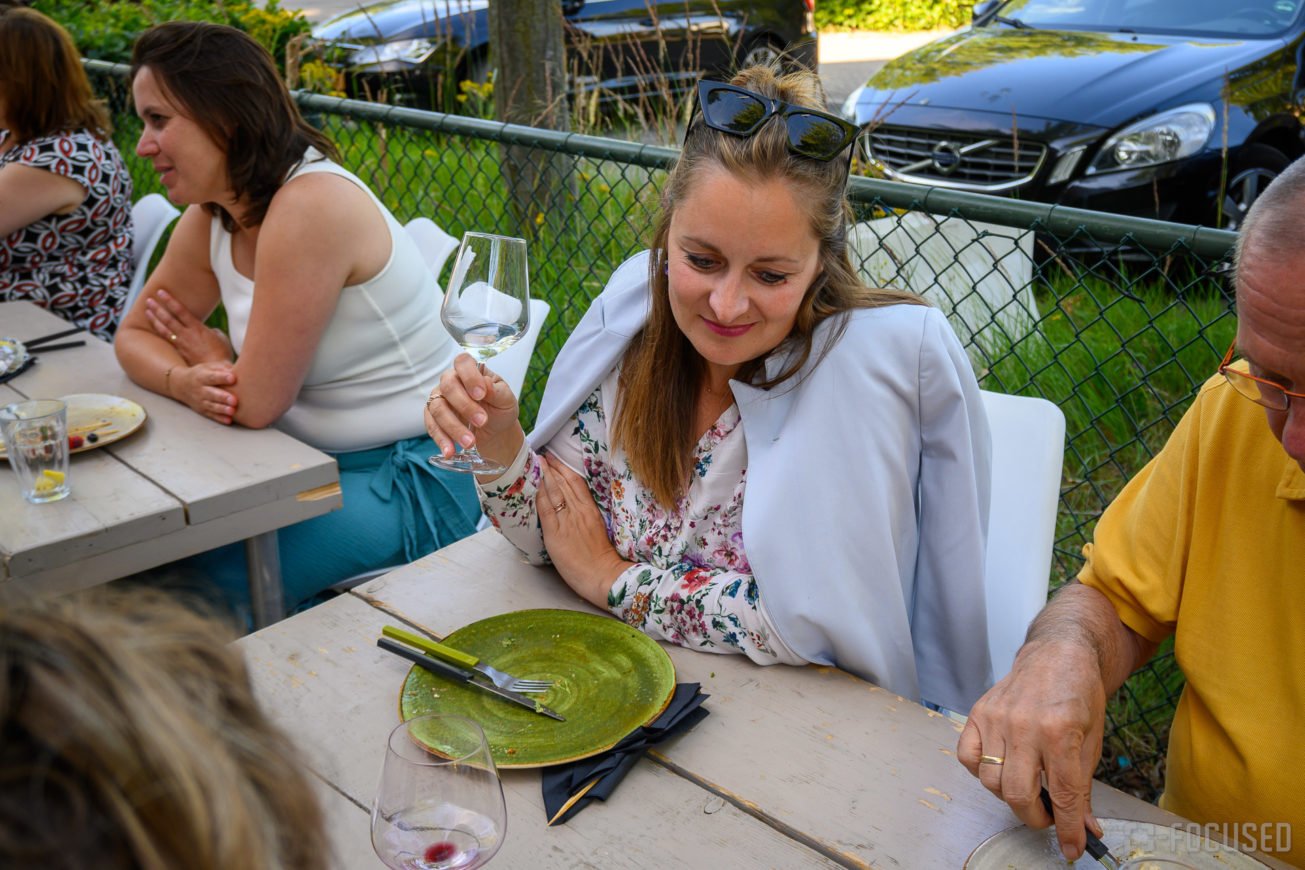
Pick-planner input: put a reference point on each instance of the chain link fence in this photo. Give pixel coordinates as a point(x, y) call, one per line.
point(1117, 320)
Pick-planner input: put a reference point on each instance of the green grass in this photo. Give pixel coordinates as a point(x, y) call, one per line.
point(1137, 726)
point(1122, 368)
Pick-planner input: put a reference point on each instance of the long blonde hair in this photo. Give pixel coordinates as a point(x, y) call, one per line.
point(661, 372)
point(130, 738)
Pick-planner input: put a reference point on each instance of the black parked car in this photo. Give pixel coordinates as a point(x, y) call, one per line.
point(1178, 109)
point(417, 49)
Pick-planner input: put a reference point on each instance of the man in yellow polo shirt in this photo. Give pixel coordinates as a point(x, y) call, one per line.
point(1206, 543)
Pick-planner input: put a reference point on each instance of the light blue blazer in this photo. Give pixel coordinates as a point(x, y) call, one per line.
point(866, 505)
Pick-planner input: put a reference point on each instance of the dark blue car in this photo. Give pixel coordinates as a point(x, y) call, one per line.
point(1176, 109)
point(414, 50)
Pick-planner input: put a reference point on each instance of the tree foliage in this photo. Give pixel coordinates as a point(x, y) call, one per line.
point(106, 31)
point(892, 14)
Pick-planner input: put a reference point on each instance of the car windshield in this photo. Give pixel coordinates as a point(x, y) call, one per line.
point(1231, 18)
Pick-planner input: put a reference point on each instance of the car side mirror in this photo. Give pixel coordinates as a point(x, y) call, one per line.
point(983, 11)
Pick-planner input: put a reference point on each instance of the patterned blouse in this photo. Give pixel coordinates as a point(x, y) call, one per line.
point(691, 583)
point(76, 265)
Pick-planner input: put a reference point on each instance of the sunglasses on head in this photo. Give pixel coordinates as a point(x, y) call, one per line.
point(741, 112)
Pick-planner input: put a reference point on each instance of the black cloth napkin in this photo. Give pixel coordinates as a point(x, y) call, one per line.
point(597, 777)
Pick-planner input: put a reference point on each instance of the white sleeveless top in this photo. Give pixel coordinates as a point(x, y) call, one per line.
point(381, 354)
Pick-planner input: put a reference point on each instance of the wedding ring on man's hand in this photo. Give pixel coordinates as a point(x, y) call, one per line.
point(991, 759)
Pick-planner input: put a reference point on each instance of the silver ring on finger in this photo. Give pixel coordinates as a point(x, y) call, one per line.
point(433, 397)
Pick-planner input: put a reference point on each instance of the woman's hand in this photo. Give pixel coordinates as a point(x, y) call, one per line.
point(201, 388)
point(474, 406)
point(174, 323)
point(575, 534)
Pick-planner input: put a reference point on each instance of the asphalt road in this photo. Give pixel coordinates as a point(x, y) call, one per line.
point(842, 78)
point(320, 10)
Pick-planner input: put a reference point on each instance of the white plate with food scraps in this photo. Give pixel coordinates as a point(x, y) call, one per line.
point(13, 355)
point(1022, 847)
point(97, 419)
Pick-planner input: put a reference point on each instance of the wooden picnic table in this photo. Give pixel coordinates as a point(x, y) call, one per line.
point(181, 485)
point(795, 767)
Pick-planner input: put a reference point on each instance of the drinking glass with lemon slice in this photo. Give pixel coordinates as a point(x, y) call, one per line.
point(36, 441)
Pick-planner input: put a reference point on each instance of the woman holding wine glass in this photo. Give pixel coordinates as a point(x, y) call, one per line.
point(744, 449)
point(486, 310)
point(331, 308)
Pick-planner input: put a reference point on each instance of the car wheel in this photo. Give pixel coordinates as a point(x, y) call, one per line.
point(1256, 166)
point(765, 51)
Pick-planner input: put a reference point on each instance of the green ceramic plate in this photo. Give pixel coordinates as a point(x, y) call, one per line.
point(608, 680)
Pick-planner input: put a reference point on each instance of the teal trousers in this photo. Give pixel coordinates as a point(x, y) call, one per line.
point(397, 508)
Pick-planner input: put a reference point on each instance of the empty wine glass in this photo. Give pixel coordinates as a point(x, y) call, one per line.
point(439, 804)
point(486, 309)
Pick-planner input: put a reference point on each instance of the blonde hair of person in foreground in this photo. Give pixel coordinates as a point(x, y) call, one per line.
point(130, 737)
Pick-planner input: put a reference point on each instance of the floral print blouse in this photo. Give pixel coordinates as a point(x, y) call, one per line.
point(691, 583)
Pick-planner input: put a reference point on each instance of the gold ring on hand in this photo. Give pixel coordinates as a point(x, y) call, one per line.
point(991, 759)
point(561, 506)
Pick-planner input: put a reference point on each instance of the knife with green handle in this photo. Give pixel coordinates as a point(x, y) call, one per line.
point(426, 645)
point(461, 659)
point(448, 671)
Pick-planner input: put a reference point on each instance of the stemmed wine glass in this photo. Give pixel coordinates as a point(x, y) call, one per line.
point(486, 309)
point(439, 804)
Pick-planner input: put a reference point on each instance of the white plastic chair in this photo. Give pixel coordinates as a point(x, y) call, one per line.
point(1028, 449)
point(435, 244)
point(150, 216)
point(511, 364)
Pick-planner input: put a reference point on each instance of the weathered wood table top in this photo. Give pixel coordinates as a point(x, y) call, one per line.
point(795, 767)
point(179, 486)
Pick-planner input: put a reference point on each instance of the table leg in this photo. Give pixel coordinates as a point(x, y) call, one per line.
point(263, 561)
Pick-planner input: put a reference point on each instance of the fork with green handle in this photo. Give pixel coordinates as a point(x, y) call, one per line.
point(458, 657)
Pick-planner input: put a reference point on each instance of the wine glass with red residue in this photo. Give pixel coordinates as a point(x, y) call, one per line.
point(439, 804)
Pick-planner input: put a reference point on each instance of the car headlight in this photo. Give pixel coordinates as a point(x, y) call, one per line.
point(849, 105)
point(413, 51)
point(1169, 135)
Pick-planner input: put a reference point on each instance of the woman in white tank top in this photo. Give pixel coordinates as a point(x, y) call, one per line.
point(333, 316)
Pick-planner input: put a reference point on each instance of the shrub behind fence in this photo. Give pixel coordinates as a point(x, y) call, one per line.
point(1117, 320)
